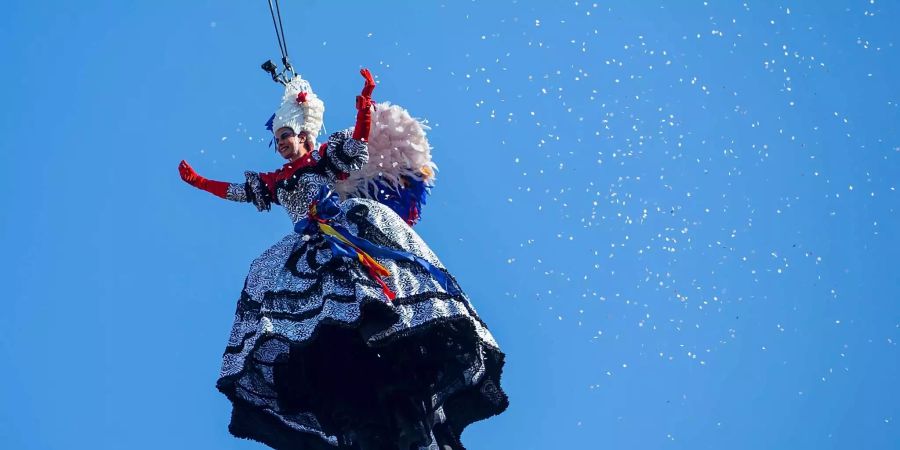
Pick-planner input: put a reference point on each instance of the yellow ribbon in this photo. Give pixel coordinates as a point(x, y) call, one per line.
point(364, 257)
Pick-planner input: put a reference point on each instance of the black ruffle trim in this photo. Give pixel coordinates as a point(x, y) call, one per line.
point(257, 193)
point(426, 363)
point(251, 423)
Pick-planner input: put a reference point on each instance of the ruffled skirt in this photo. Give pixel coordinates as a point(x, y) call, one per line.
point(318, 358)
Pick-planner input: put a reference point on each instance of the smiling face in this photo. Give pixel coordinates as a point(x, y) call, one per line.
point(292, 146)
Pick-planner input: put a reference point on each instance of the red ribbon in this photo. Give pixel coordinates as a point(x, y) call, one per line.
point(367, 261)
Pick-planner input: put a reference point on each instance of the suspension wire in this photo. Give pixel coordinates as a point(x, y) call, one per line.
point(278, 32)
point(287, 65)
point(287, 72)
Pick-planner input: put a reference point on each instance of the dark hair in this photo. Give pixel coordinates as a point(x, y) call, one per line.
point(308, 144)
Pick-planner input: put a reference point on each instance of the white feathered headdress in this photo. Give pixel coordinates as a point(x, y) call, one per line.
point(300, 110)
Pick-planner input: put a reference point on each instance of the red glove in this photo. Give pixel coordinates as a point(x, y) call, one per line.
point(370, 83)
point(217, 188)
point(363, 108)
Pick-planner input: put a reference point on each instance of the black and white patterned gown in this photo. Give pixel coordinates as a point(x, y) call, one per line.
point(318, 358)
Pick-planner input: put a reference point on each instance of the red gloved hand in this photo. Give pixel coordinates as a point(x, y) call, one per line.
point(370, 83)
point(364, 108)
point(191, 177)
point(188, 174)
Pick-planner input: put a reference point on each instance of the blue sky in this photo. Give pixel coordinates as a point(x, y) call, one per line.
point(679, 219)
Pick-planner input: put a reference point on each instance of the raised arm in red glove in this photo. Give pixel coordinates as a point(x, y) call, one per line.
point(217, 188)
point(364, 108)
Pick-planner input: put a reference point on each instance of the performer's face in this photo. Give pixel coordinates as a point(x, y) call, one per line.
point(291, 146)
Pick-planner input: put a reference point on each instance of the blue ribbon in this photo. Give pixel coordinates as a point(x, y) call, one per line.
point(328, 207)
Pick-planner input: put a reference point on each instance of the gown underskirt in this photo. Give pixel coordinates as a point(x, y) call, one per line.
point(319, 359)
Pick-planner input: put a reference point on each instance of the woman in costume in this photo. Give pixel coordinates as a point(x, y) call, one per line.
point(349, 333)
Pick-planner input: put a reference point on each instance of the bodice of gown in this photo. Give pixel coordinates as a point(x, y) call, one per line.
point(296, 200)
point(297, 183)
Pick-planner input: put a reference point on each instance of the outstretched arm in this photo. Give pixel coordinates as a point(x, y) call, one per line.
point(364, 108)
point(348, 151)
point(258, 189)
point(191, 177)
